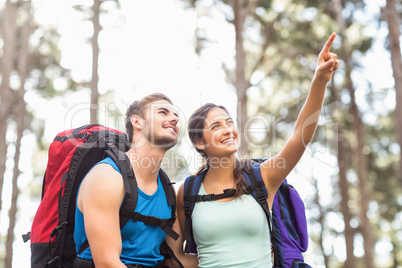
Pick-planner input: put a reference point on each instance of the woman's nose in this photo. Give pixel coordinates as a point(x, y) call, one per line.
point(226, 129)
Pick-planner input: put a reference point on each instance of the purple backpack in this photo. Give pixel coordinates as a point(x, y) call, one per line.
point(288, 224)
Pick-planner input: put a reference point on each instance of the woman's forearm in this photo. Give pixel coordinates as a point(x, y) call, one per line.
point(307, 120)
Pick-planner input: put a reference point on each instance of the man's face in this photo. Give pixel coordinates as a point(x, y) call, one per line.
point(160, 124)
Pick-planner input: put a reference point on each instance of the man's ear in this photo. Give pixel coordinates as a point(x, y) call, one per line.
point(200, 145)
point(136, 121)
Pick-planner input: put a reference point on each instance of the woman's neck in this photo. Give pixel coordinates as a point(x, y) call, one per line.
point(221, 169)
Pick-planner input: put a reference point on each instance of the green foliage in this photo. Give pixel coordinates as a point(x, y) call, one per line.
point(382, 160)
point(265, 4)
point(45, 66)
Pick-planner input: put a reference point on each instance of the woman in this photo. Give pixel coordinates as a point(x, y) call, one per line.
point(222, 235)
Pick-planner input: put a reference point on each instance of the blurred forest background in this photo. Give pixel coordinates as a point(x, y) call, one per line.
point(65, 63)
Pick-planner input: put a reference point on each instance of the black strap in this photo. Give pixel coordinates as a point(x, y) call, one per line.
point(77, 130)
point(255, 185)
point(43, 185)
point(130, 183)
point(83, 263)
point(210, 197)
point(83, 247)
point(164, 224)
point(262, 200)
point(169, 192)
point(187, 195)
point(82, 136)
point(26, 237)
point(188, 225)
point(75, 134)
point(168, 252)
point(59, 228)
point(143, 266)
point(131, 196)
point(168, 188)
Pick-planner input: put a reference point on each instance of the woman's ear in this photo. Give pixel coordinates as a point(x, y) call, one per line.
point(200, 145)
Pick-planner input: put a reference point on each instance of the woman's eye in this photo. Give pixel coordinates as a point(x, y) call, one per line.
point(215, 126)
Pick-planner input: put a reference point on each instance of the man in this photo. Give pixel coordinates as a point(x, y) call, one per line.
point(152, 129)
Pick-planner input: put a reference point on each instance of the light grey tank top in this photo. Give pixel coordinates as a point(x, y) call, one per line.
point(232, 234)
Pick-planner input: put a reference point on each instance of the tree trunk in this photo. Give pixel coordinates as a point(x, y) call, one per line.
point(396, 249)
point(241, 83)
point(7, 66)
point(15, 191)
point(321, 221)
point(361, 161)
point(344, 187)
point(394, 34)
point(20, 112)
point(359, 157)
point(95, 62)
point(344, 208)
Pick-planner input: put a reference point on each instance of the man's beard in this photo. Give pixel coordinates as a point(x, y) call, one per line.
point(163, 142)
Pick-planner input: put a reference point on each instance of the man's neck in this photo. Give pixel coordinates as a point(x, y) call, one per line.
point(146, 161)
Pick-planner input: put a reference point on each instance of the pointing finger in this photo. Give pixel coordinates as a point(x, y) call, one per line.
point(327, 46)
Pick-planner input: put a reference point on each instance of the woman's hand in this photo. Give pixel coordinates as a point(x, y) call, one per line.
point(327, 62)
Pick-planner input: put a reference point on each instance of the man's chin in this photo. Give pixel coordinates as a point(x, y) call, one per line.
point(165, 144)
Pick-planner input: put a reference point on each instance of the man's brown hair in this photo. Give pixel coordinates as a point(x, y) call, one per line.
point(138, 108)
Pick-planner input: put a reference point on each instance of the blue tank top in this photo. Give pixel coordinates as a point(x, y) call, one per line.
point(140, 242)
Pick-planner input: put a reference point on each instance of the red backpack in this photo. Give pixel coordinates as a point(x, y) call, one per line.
point(71, 155)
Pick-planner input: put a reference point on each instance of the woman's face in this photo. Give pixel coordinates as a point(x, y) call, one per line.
point(220, 136)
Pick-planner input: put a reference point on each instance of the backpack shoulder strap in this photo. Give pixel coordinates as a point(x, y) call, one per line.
point(131, 198)
point(131, 195)
point(170, 195)
point(129, 181)
point(256, 187)
point(258, 190)
point(191, 187)
point(168, 188)
point(168, 253)
point(130, 185)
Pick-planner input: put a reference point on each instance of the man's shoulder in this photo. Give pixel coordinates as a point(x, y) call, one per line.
point(104, 174)
point(102, 186)
point(103, 169)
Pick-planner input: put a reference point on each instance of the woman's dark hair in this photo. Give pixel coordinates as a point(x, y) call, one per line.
point(138, 108)
point(195, 132)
